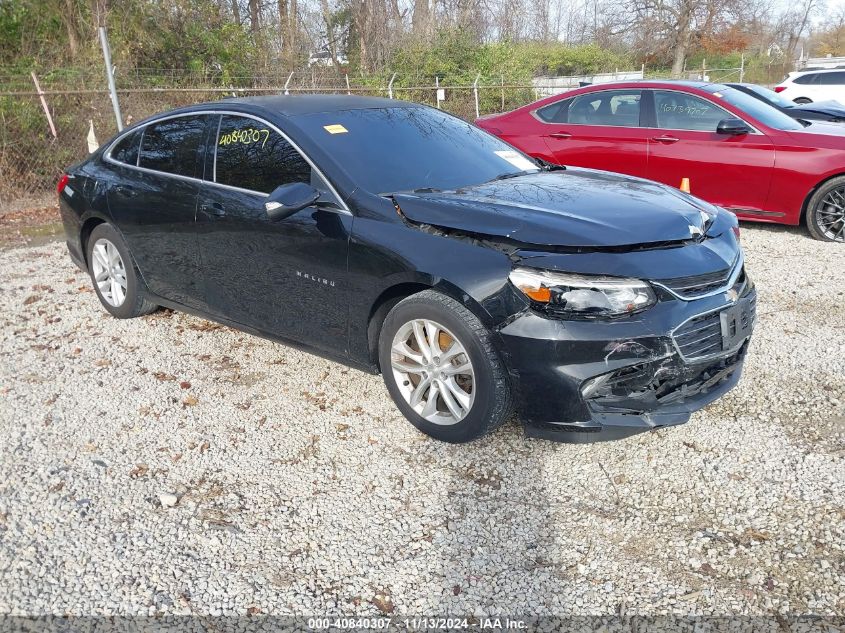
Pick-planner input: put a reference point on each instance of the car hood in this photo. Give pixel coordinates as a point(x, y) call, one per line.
point(822, 134)
point(831, 107)
point(571, 208)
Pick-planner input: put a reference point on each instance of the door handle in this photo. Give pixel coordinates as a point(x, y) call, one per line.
point(560, 135)
point(125, 190)
point(665, 139)
point(215, 208)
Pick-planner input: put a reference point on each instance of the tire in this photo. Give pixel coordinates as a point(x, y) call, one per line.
point(448, 323)
point(124, 300)
point(822, 222)
point(802, 100)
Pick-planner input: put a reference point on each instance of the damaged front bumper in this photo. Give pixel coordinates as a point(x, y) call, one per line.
point(582, 381)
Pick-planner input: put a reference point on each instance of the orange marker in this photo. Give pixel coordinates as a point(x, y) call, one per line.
point(684, 185)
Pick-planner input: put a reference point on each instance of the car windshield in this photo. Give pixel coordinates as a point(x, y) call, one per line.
point(766, 114)
point(386, 150)
point(771, 96)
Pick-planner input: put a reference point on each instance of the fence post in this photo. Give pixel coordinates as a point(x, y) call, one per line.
point(437, 91)
point(475, 92)
point(347, 84)
point(503, 92)
point(44, 104)
point(742, 68)
point(288, 82)
point(104, 41)
point(390, 87)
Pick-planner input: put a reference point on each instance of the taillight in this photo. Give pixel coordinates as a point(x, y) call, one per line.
point(736, 232)
point(60, 186)
point(780, 88)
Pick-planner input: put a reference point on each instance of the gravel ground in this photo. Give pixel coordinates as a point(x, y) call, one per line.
point(169, 465)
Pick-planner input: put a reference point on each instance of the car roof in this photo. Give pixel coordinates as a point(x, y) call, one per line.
point(292, 105)
point(816, 70)
point(654, 83)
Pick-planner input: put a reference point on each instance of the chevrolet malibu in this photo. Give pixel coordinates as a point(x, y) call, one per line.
point(400, 240)
point(735, 150)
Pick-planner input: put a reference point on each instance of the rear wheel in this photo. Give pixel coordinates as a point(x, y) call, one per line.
point(116, 278)
point(441, 369)
point(802, 100)
point(826, 211)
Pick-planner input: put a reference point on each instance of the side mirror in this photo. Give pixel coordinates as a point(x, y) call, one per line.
point(733, 127)
point(285, 200)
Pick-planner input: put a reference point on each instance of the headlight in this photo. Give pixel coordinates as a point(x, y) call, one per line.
point(583, 295)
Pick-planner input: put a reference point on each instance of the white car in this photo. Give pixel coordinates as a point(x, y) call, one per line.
point(808, 86)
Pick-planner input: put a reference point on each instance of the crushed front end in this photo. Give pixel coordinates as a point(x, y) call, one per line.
point(588, 379)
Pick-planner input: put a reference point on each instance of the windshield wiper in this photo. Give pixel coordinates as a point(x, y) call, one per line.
point(547, 166)
point(426, 190)
point(512, 175)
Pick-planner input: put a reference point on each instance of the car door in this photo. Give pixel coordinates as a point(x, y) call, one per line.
point(832, 87)
point(153, 203)
point(286, 277)
point(599, 129)
point(732, 171)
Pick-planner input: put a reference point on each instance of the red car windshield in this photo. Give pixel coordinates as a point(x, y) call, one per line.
point(766, 114)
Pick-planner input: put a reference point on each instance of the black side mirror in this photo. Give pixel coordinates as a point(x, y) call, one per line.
point(285, 200)
point(733, 127)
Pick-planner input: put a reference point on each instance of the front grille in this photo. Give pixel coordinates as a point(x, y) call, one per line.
point(701, 336)
point(699, 285)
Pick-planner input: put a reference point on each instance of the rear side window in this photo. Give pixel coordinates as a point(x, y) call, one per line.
point(172, 145)
point(554, 112)
point(620, 108)
point(810, 78)
point(126, 151)
point(832, 79)
point(251, 155)
point(680, 111)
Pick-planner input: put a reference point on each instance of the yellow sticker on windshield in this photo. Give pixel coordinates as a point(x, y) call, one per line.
point(337, 128)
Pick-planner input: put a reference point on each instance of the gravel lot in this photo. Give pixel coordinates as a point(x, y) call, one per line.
point(166, 464)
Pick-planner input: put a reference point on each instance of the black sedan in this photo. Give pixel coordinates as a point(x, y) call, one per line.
point(830, 111)
point(396, 238)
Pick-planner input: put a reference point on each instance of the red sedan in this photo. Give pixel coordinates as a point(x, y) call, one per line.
point(736, 151)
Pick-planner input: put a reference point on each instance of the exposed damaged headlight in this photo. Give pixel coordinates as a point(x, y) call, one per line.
point(583, 296)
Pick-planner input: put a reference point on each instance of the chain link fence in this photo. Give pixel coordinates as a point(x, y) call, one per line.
point(32, 158)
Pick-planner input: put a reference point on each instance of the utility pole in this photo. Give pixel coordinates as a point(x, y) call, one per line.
point(104, 41)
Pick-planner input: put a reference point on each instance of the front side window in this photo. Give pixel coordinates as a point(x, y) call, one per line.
point(680, 111)
point(251, 155)
point(620, 108)
point(172, 145)
point(126, 151)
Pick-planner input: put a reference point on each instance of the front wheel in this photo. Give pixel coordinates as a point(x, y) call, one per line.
point(826, 211)
point(441, 368)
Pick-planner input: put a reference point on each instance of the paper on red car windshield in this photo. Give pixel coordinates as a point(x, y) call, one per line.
point(516, 159)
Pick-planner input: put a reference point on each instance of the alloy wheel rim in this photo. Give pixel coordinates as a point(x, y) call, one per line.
point(830, 215)
point(109, 272)
point(433, 372)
